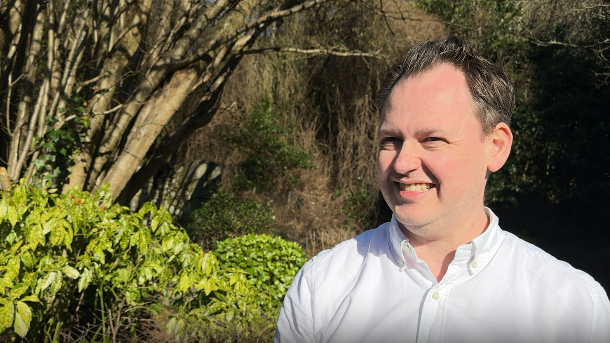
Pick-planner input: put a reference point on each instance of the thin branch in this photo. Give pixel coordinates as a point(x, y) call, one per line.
point(88, 82)
point(554, 42)
point(314, 52)
point(257, 24)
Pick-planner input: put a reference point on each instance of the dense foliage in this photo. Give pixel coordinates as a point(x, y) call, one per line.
point(264, 140)
point(78, 261)
point(227, 216)
point(270, 263)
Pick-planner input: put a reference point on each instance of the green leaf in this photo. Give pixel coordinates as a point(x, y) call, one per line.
point(185, 283)
point(18, 290)
point(57, 283)
point(12, 268)
point(70, 272)
point(57, 234)
point(7, 314)
point(123, 275)
point(11, 215)
point(31, 298)
point(23, 318)
point(49, 225)
point(155, 223)
point(47, 281)
point(27, 258)
point(85, 278)
point(35, 236)
point(3, 210)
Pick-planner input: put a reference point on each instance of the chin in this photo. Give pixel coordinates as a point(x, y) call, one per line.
point(412, 217)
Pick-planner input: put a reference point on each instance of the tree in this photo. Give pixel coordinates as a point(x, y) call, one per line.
point(88, 87)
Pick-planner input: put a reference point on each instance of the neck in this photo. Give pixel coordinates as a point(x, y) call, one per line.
point(437, 245)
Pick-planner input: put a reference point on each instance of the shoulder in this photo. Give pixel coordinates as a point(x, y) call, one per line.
point(548, 272)
point(343, 262)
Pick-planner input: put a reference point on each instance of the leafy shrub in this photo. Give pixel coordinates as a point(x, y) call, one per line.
point(75, 260)
point(270, 263)
point(264, 141)
point(225, 216)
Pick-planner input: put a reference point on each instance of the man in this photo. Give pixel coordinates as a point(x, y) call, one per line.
point(442, 270)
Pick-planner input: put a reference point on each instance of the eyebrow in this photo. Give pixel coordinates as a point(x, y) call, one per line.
point(420, 132)
point(427, 132)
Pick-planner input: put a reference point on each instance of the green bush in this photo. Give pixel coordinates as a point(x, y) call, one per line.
point(264, 140)
point(225, 216)
point(270, 263)
point(77, 260)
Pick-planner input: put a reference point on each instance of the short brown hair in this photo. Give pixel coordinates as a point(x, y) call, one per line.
point(492, 92)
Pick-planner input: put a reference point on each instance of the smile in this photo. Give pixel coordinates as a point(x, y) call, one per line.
point(416, 187)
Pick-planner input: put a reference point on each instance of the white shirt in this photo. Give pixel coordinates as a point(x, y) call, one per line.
point(498, 288)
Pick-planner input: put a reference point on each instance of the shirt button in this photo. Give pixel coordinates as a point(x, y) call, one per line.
point(435, 295)
point(475, 264)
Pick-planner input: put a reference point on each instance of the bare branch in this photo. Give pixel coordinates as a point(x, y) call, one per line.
point(314, 52)
point(258, 24)
point(554, 42)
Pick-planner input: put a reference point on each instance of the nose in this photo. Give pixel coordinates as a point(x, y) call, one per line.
point(407, 159)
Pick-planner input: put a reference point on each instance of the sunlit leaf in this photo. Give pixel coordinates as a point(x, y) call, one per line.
point(23, 318)
point(12, 268)
point(7, 314)
point(3, 210)
point(70, 272)
point(11, 215)
point(85, 278)
point(31, 298)
point(18, 290)
point(47, 281)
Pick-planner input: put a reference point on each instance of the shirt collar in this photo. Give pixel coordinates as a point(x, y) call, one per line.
point(481, 249)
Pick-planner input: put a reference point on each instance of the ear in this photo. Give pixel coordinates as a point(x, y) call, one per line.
point(498, 145)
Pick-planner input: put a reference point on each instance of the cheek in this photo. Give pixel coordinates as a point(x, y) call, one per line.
point(384, 162)
point(450, 169)
point(460, 170)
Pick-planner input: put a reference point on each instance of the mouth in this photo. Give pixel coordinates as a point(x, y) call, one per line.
point(416, 187)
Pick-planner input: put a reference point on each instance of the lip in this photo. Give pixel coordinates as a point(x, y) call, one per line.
point(413, 195)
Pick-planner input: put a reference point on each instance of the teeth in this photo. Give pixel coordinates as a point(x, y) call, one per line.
point(415, 187)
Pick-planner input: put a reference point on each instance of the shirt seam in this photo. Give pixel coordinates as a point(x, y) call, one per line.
point(595, 297)
point(313, 296)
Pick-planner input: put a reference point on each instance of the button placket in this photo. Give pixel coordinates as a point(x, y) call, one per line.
point(429, 313)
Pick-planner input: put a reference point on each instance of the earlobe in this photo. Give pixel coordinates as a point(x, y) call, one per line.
point(499, 143)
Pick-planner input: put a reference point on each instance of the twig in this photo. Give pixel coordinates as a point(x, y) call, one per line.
point(314, 52)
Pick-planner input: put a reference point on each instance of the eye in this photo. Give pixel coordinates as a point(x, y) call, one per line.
point(434, 140)
point(389, 143)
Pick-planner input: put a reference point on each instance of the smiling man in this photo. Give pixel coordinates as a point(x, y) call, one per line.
point(442, 270)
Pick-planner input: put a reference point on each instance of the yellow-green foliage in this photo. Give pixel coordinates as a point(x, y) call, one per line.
point(270, 263)
point(249, 313)
point(76, 255)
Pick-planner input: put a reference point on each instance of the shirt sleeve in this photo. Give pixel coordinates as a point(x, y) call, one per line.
point(601, 329)
point(295, 323)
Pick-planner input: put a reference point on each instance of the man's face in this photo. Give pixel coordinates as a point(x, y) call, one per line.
point(433, 155)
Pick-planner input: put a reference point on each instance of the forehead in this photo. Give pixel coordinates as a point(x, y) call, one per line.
point(438, 98)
